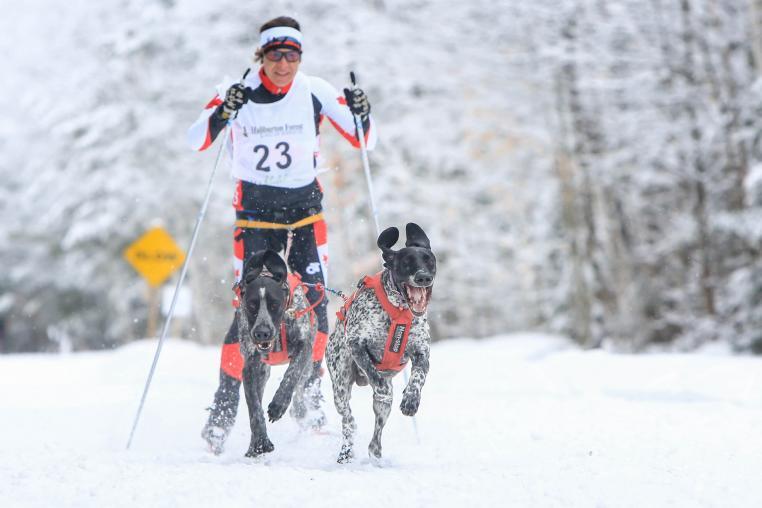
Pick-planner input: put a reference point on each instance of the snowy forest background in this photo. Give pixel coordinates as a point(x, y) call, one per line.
point(592, 168)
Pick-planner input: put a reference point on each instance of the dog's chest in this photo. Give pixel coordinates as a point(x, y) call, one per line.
point(297, 329)
point(369, 325)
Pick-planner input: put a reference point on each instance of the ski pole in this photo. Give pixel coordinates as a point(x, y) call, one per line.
point(194, 237)
point(365, 164)
point(373, 209)
point(168, 320)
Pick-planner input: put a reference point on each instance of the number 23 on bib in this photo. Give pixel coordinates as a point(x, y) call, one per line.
point(275, 144)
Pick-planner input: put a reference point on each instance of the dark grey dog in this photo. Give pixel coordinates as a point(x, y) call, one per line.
point(379, 329)
point(266, 303)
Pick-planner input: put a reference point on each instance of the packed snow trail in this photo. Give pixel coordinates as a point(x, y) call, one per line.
point(518, 420)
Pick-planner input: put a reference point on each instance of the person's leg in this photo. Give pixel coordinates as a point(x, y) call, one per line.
point(308, 257)
point(223, 410)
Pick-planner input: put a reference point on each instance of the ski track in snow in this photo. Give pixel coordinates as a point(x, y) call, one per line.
point(518, 420)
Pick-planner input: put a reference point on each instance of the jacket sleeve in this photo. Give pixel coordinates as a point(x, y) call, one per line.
point(205, 130)
point(335, 108)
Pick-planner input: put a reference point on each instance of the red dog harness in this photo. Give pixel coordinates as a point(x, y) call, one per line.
point(399, 329)
point(279, 353)
point(232, 361)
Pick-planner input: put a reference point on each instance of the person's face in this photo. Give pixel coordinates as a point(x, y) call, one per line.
point(278, 68)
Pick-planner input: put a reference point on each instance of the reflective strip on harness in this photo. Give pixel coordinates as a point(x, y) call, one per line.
point(255, 224)
point(399, 330)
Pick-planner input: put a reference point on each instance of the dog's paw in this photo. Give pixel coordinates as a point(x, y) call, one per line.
point(257, 448)
point(276, 409)
point(215, 438)
point(345, 455)
point(374, 450)
point(298, 410)
point(410, 402)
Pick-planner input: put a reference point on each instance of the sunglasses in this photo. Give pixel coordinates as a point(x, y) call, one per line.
point(277, 56)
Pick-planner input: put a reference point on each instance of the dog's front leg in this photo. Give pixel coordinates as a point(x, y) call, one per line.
point(382, 406)
point(411, 396)
point(255, 374)
point(365, 363)
point(298, 407)
point(296, 369)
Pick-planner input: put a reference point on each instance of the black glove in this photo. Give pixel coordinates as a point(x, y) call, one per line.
point(235, 98)
point(358, 103)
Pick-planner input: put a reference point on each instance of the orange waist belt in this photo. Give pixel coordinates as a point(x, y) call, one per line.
point(256, 224)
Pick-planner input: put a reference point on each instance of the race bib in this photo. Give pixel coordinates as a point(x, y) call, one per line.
point(275, 144)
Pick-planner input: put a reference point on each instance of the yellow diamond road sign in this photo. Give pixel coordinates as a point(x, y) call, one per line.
point(155, 256)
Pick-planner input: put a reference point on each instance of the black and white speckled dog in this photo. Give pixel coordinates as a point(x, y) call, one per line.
point(267, 304)
point(380, 328)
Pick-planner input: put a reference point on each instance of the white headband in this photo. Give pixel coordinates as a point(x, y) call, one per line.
point(280, 32)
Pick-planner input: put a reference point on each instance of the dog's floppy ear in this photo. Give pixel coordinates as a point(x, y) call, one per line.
point(416, 237)
point(386, 241)
point(276, 265)
point(388, 238)
point(253, 267)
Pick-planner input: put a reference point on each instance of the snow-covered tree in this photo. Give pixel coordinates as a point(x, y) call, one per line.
point(580, 166)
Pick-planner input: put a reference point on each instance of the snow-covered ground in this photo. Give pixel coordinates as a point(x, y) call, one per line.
point(518, 420)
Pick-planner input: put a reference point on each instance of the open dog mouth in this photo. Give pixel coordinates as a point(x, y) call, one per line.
point(417, 298)
point(264, 347)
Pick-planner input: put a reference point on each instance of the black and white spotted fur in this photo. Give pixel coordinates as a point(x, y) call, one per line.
point(264, 296)
point(354, 350)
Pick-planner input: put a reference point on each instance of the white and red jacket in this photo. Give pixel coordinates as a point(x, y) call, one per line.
point(275, 136)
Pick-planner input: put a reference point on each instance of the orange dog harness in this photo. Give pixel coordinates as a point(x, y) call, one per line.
point(399, 329)
point(279, 354)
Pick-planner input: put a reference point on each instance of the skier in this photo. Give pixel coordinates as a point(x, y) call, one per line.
point(275, 117)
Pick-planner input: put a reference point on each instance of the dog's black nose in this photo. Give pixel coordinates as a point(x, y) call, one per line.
point(422, 278)
point(261, 334)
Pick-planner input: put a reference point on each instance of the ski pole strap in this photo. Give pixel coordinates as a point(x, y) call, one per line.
point(255, 224)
